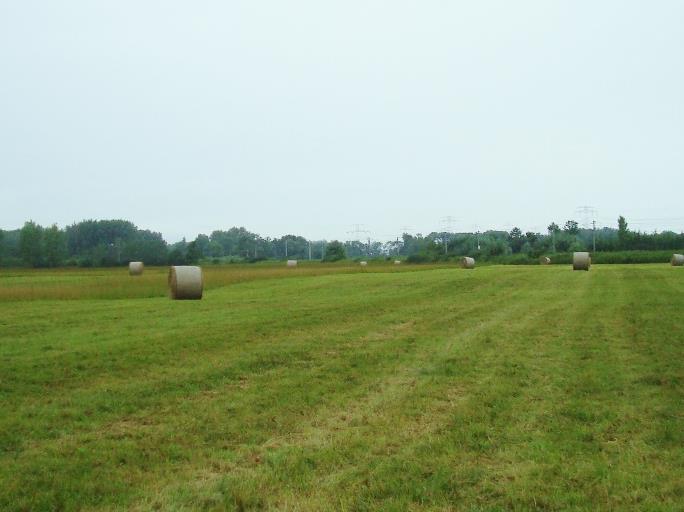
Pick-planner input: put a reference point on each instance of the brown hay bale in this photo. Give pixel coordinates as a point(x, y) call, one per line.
point(467, 262)
point(581, 261)
point(677, 260)
point(544, 260)
point(185, 282)
point(363, 263)
point(291, 263)
point(135, 268)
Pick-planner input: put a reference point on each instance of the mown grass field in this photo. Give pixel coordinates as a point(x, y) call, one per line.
point(501, 388)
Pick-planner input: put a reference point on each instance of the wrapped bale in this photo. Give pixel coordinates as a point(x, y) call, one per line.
point(677, 260)
point(397, 262)
point(581, 261)
point(186, 282)
point(135, 268)
point(363, 263)
point(544, 260)
point(291, 263)
point(467, 262)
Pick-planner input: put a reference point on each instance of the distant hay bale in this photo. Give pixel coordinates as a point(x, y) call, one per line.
point(291, 263)
point(135, 268)
point(677, 260)
point(397, 262)
point(467, 262)
point(544, 260)
point(581, 261)
point(185, 282)
point(363, 263)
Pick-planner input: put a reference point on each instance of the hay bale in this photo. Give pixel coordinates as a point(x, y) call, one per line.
point(581, 261)
point(467, 262)
point(363, 263)
point(677, 260)
point(135, 268)
point(185, 282)
point(291, 263)
point(397, 262)
point(544, 260)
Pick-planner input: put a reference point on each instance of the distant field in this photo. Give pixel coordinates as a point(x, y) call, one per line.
point(114, 283)
point(331, 387)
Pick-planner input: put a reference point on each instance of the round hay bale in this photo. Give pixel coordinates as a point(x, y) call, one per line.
point(677, 260)
point(363, 263)
point(544, 260)
point(135, 268)
point(581, 261)
point(397, 262)
point(467, 262)
point(291, 263)
point(185, 282)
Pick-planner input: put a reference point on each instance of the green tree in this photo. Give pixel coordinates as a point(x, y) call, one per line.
point(571, 227)
point(215, 249)
point(553, 230)
point(31, 244)
point(335, 251)
point(516, 240)
point(623, 232)
point(203, 244)
point(54, 246)
point(193, 254)
point(176, 257)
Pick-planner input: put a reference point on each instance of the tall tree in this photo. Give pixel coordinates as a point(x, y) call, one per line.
point(571, 227)
point(516, 240)
point(193, 254)
point(623, 232)
point(31, 244)
point(553, 229)
point(203, 243)
point(54, 246)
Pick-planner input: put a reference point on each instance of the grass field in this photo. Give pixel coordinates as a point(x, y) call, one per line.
point(330, 388)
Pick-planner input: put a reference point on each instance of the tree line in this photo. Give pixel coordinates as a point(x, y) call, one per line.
point(97, 243)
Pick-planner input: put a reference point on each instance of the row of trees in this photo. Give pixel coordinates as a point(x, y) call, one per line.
point(116, 242)
point(87, 243)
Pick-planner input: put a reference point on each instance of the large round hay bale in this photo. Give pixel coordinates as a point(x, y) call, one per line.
point(363, 263)
point(467, 262)
point(397, 262)
point(135, 268)
point(291, 263)
point(185, 282)
point(544, 260)
point(677, 260)
point(581, 261)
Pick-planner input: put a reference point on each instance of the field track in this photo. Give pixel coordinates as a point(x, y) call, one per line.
point(500, 388)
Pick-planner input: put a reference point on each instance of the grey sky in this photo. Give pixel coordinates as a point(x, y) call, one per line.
point(309, 116)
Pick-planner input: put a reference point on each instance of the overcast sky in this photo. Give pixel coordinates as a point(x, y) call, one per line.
point(309, 116)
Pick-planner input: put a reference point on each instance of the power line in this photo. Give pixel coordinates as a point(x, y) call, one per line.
point(448, 222)
point(357, 231)
point(587, 215)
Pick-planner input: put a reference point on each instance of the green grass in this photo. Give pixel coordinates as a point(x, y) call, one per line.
point(502, 388)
